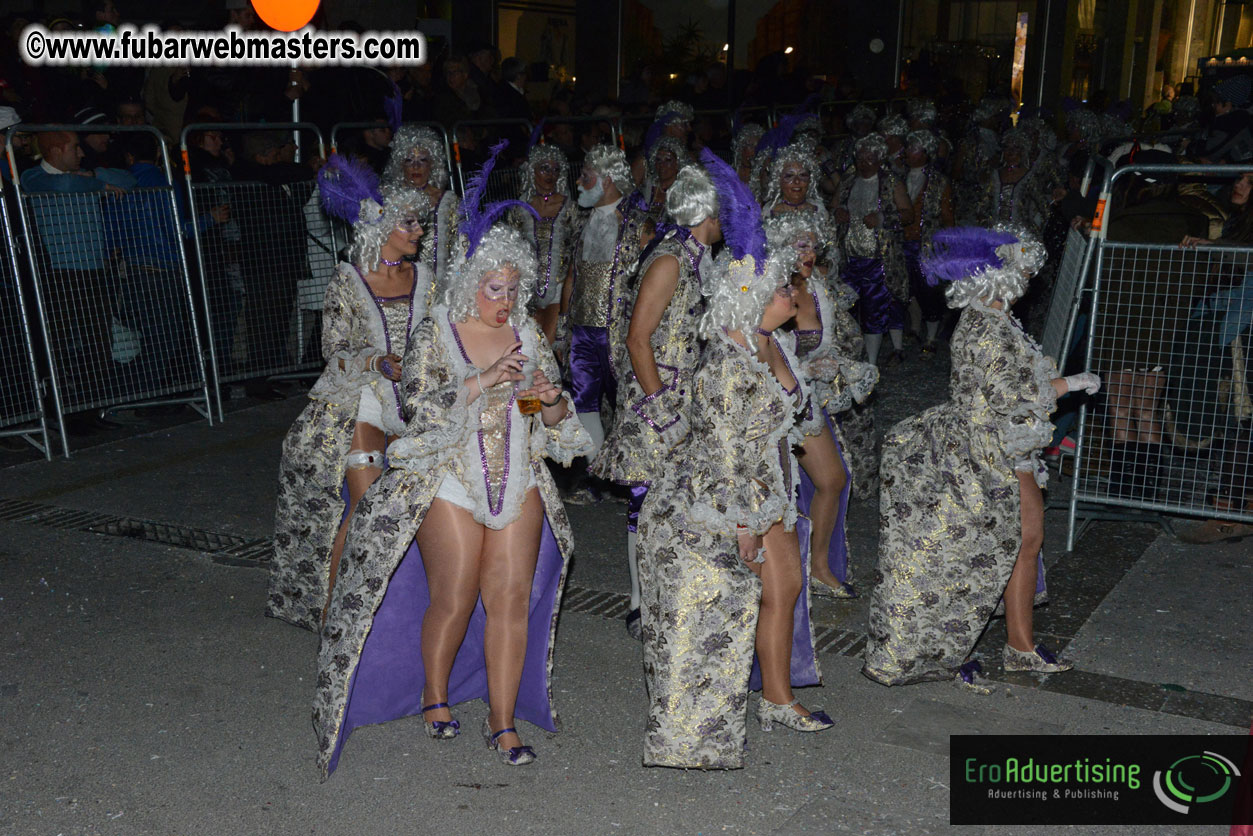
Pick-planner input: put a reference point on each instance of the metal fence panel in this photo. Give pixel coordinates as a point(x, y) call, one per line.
point(21, 407)
point(265, 274)
point(1059, 324)
point(1170, 337)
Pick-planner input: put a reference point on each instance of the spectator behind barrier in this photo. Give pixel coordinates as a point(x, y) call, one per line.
point(73, 261)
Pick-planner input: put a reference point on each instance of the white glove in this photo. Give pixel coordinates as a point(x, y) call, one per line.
point(1084, 381)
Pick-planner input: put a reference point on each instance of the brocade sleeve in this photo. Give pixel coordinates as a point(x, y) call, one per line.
point(434, 403)
point(567, 439)
point(344, 340)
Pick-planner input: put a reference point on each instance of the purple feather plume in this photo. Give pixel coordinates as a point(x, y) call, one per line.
point(476, 221)
point(655, 129)
point(393, 107)
point(737, 211)
point(959, 252)
point(536, 134)
point(343, 183)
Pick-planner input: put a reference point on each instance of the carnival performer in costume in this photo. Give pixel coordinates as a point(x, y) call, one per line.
point(931, 197)
point(977, 153)
point(872, 206)
point(657, 361)
point(860, 123)
point(720, 562)
point(666, 156)
point(406, 628)
point(418, 161)
point(1011, 194)
point(607, 243)
point(672, 119)
point(961, 511)
point(893, 128)
point(547, 190)
point(837, 382)
point(744, 147)
point(337, 441)
point(793, 185)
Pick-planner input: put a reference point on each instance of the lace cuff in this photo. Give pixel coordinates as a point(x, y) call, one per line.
point(660, 409)
point(341, 384)
point(437, 443)
point(566, 440)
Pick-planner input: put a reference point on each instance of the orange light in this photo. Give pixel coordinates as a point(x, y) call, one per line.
point(1099, 218)
point(285, 15)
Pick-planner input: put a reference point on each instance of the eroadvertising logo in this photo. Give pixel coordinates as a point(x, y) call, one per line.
point(1100, 779)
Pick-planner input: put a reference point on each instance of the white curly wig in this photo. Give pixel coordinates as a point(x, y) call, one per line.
point(738, 296)
point(538, 155)
point(610, 161)
point(991, 107)
point(860, 113)
point(1016, 138)
point(893, 125)
point(370, 233)
point(786, 228)
point(1020, 260)
point(502, 245)
point(923, 110)
point(793, 153)
point(692, 198)
point(746, 139)
point(873, 143)
point(407, 139)
point(682, 109)
point(924, 140)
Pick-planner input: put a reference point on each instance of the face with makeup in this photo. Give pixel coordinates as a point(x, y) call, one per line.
point(404, 238)
point(806, 249)
point(417, 168)
point(667, 165)
point(867, 163)
point(915, 156)
point(497, 294)
point(591, 190)
point(781, 308)
point(546, 175)
point(794, 182)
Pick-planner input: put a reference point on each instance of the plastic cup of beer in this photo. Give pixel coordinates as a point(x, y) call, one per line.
point(529, 404)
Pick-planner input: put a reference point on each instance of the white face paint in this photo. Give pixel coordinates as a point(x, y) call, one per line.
point(590, 197)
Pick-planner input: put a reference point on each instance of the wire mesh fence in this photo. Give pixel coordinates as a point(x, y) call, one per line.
point(1170, 337)
point(21, 406)
point(1063, 311)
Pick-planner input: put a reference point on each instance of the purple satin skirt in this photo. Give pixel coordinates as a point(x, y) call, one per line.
point(930, 299)
point(877, 309)
point(387, 684)
point(634, 504)
point(837, 552)
point(591, 372)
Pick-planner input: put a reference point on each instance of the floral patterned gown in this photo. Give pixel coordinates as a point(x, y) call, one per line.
point(950, 528)
point(370, 663)
point(699, 601)
point(355, 325)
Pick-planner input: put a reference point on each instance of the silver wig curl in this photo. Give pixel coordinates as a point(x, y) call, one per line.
point(1020, 259)
point(1016, 138)
point(800, 153)
point(872, 143)
point(923, 140)
point(860, 113)
point(610, 161)
point(538, 155)
point(738, 296)
point(991, 107)
point(502, 245)
point(1087, 124)
point(692, 198)
point(404, 142)
point(682, 110)
point(746, 138)
point(369, 234)
point(922, 110)
point(786, 228)
point(893, 125)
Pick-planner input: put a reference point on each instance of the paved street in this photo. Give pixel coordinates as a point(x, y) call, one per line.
point(144, 692)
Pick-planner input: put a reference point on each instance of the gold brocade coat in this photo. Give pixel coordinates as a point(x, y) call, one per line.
point(699, 601)
point(646, 427)
point(949, 509)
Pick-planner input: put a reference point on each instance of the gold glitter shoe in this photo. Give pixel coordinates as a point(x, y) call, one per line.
point(1040, 660)
point(843, 592)
point(769, 713)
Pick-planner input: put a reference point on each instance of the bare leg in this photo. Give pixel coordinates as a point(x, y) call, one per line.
point(452, 545)
point(1020, 592)
point(547, 319)
point(507, 570)
point(365, 438)
point(821, 461)
point(780, 587)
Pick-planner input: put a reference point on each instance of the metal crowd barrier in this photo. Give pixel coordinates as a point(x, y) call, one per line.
point(505, 181)
point(21, 405)
point(264, 271)
point(1169, 334)
point(113, 289)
